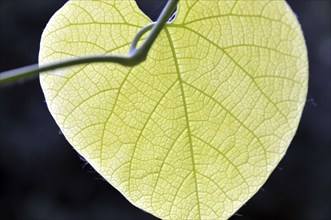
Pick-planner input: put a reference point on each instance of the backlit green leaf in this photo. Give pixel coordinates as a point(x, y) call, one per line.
point(195, 130)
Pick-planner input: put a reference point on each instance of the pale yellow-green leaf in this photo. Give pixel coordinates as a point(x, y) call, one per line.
point(195, 130)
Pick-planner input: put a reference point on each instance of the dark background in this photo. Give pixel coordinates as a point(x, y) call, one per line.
point(42, 177)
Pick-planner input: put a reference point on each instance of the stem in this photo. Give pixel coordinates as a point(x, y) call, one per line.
point(161, 21)
point(135, 56)
point(32, 70)
point(138, 36)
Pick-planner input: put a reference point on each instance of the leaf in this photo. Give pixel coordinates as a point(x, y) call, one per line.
point(195, 130)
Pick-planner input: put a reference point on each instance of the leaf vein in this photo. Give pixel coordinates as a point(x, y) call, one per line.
point(186, 116)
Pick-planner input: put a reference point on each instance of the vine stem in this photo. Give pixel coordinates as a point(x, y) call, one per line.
point(135, 56)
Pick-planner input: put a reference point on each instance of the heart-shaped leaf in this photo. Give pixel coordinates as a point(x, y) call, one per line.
point(195, 130)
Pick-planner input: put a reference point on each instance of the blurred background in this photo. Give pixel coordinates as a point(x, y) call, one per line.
point(42, 176)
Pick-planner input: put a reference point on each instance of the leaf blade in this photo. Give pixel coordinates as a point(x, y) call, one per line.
point(193, 132)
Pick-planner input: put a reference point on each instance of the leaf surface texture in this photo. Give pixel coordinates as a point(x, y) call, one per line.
point(195, 130)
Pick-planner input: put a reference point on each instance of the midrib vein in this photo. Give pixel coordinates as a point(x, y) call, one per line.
point(186, 115)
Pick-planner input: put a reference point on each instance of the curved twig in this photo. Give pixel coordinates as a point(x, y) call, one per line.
point(135, 56)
